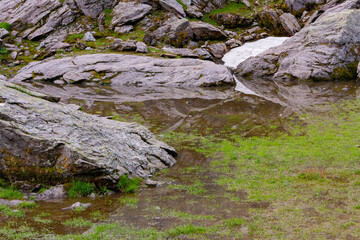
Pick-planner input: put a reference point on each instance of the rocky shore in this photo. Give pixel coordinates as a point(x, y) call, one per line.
point(177, 44)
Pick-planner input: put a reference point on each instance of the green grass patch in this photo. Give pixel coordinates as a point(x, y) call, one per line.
point(73, 38)
point(11, 212)
point(5, 25)
point(10, 193)
point(27, 204)
point(80, 188)
point(128, 185)
point(77, 222)
point(128, 201)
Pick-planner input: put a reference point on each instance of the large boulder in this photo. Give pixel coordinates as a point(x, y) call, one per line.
point(206, 31)
point(128, 13)
point(177, 33)
point(125, 70)
point(328, 49)
point(173, 6)
point(333, 6)
point(290, 24)
point(298, 6)
point(232, 20)
point(93, 8)
point(207, 6)
point(43, 141)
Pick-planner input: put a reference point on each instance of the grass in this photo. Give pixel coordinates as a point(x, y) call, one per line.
point(42, 218)
point(5, 25)
point(10, 193)
point(128, 201)
point(27, 204)
point(80, 188)
point(128, 185)
point(77, 222)
point(11, 212)
point(73, 38)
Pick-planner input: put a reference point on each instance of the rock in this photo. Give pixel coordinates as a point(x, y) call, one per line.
point(254, 29)
point(123, 69)
point(88, 37)
point(271, 20)
point(290, 24)
point(151, 183)
point(80, 45)
point(177, 33)
point(124, 29)
point(193, 45)
point(141, 47)
point(3, 78)
point(246, 2)
point(119, 45)
point(324, 50)
point(333, 6)
point(233, 43)
point(12, 203)
point(3, 33)
point(128, 13)
point(218, 50)
point(232, 20)
point(205, 31)
point(206, 6)
point(27, 53)
point(182, 52)
point(63, 16)
point(11, 47)
point(298, 6)
point(50, 50)
point(14, 55)
point(52, 193)
point(93, 8)
point(78, 205)
point(203, 54)
point(168, 55)
point(193, 12)
point(21, 185)
point(71, 143)
point(173, 6)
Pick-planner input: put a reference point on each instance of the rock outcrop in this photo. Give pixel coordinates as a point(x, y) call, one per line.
point(128, 13)
point(177, 33)
point(328, 49)
point(51, 142)
point(119, 69)
point(206, 31)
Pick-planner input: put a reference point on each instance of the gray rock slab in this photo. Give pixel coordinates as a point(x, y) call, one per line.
point(325, 50)
point(121, 69)
point(65, 143)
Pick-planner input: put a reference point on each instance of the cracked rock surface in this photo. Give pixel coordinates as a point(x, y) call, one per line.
point(120, 69)
point(53, 142)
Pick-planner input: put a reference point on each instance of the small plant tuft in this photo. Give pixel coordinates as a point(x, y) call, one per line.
point(80, 188)
point(5, 25)
point(128, 185)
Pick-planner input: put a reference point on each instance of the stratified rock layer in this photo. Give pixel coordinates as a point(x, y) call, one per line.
point(50, 142)
point(325, 50)
point(119, 69)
